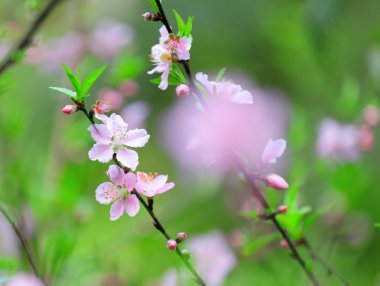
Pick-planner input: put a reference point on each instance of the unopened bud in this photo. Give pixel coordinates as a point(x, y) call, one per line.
point(282, 209)
point(180, 237)
point(182, 90)
point(69, 109)
point(284, 244)
point(147, 16)
point(276, 182)
point(172, 244)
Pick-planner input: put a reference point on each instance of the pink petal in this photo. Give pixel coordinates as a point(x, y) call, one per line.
point(242, 97)
point(132, 205)
point(130, 181)
point(183, 49)
point(117, 210)
point(128, 158)
point(101, 152)
point(164, 35)
point(100, 133)
point(137, 138)
point(273, 150)
point(101, 117)
point(164, 78)
point(165, 188)
point(276, 182)
point(102, 193)
point(159, 181)
point(116, 122)
point(116, 175)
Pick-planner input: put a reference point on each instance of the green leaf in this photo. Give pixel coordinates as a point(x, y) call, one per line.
point(64, 91)
point(74, 81)
point(90, 80)
point(188, 27)
point(220, 74)
point(180, 23)
point(176, 77)
point(377, 225)
point(154, 5)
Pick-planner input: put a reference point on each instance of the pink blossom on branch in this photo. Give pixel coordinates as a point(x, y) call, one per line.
point(117, 192)
point(152, 184)
point(113, 137)
point(171, 49)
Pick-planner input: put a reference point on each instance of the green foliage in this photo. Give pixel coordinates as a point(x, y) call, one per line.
point(184, 29)
point(176, 77)
point(33, 5)
point(377, 225)
point(154, 5)
point(129, 67)
point(252, 245)
point(81, 89)
point(220, 74)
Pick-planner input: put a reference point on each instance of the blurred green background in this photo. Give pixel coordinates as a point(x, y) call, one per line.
point(323, 54)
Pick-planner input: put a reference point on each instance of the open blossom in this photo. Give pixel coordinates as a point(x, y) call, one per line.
point(117, 192)
point(224, 90)
point(114, 137)
point(212, 256)
point(338, 141)
point(171, 49)
point(152, 184)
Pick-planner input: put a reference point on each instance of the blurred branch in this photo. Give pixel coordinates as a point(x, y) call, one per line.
point(24, 243)
point(264, 203)
point(156, 222)
point(28, 37)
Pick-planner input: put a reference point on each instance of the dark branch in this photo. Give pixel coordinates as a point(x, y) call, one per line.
point(28, 37)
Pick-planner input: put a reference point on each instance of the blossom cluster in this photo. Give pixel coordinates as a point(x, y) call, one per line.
point(113, 141)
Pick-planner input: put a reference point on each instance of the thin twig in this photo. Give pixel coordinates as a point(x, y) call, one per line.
point(264, 203)
point(28, 37)
point(156, 222)
point(24, 243)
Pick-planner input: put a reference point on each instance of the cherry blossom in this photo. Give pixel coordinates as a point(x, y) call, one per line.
point(273, 150)
point(171, 49)
point(117, 192)
point(224, 90)
point(152, 184)
point(113, 137)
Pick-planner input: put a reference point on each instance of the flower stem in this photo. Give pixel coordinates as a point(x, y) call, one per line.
point(27, 39)
point(24, 243)
point(264, 203)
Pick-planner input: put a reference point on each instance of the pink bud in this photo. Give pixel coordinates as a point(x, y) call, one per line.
point(284, 244)
point(172, 244)
point(366, 138)
point(181, 237)
point(282, 209)
point(147, 16)
point(69, 109)
point(276, 182)
point(182, 90)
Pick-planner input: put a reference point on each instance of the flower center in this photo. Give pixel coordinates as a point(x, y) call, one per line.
point(147, 178)
point(113, 193)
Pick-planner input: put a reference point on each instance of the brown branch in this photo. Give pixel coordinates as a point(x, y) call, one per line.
point(28, 37)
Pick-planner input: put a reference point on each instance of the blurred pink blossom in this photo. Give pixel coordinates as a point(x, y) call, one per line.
point(225, 130)
point(109, 38)
point(111, 97)
point(371, 115)
point(128, 88)
point(135, 114)
point(5, 47)
point(50, 55)
point(212, 256)
point(366, 138)
point(24, 279)
point(338, 141)
point(8, 239)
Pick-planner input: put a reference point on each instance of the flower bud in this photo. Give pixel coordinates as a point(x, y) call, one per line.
point(284, 244)
point(282, 209)
point(276, 182)
point(69, 109)
point(172, 244)
point(180, 237)
point(147, 16)
point(182, 90)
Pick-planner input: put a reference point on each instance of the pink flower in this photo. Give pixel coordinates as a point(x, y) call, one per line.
point(276, 182)
point(224, 90)
point(213, 257)
point(69, 109)
point(170, 49)
point(337, 141)
point(152, 184)
point(113, 137)
point(371, 115)
point(273, 150)
point(117, 192)
point(182, 90)
point(24, 279)
point(101, 107)
point(110, 37)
